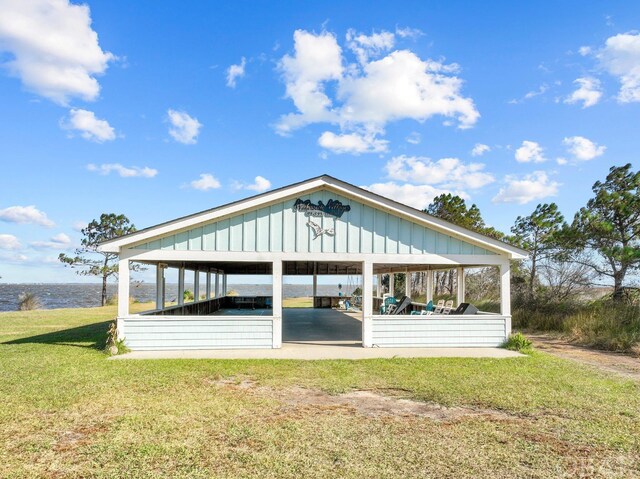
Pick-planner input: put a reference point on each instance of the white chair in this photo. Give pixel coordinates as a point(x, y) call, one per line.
point(439, 307)
point(448, 307)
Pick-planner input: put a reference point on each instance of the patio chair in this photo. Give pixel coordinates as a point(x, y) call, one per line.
point(439, 307)
point(400, 307)
point(428, 309)
point(448, 307)
point(388, 301)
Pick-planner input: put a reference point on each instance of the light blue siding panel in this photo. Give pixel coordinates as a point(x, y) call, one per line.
point(182, 241)
point(454, 246)
point(404, 245)
point(249, 231)
point(417, 239)
point(169, 242)
point(209, 237)
point(302, 230)
point(222, 235)
point(442, 243)
point(289, 227)
point(466, 248)
point(429, 241)
point(329, 223)
point(353, 219)
point(393, 224)
point(155, 244)
point(275, 227)
point(195, 239)
point(479, 250)
point(235, 233)
point(342, 234)
point(263, 230)
point(314, 244)
point(379, 231)
point(366, 232)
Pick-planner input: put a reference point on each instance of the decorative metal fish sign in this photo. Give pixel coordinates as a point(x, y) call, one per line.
point(319, 231)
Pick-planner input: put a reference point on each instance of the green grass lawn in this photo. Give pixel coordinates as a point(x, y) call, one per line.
point(66, 411)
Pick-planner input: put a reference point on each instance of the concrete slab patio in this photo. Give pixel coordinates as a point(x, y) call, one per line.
point(318, 350)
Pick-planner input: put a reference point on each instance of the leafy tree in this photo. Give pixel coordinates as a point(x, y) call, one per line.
point(454, 209)
point(538, 233)
point(90, 261)
point(609, 227)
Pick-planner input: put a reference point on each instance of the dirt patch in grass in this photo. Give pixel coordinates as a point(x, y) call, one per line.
point(605, 361)
point(370, 403)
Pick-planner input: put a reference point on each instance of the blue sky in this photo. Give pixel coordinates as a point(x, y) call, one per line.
point(148, 108)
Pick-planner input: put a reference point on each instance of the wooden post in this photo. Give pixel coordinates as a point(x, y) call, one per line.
point(123, 288)
point(505, 288)
point(461, 290)
point(277, 303)
point(407, 284)
point(315, 280)
point(367, 304)
point(159, 286)
point(181, 285)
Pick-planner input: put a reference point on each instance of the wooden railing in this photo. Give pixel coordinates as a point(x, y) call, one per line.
point(206, 307)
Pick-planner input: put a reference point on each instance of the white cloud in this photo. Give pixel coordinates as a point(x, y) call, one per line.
point(530, 152)
point(59, 241)
point(480, 149)
point(366, 46)
point(9, 242)
point(417, 196)
point(620, 56)
point(123, 171)
point(259, 184)
point(90, 127)
point(353, 143)
point(522, 190)
point(584, 51)
point(589, 92)
point(206, 182)
point(561, 161)
point(408, 32)
point(54, 51)
point(414, 138)
point(25, 215)
point(531, 94)
point(234, 72)
point(368, 94)
point(582, 148)
point(184, 128)
point(449, 173)
point(79, 225)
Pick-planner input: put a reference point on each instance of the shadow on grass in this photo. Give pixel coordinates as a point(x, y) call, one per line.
point(95, 333)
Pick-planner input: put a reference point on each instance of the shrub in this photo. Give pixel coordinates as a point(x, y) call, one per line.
point(517, 342)
point(28, 301)
point(187, 295)
point(112, 300)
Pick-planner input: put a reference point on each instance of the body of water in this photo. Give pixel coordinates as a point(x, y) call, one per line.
point(75, 295)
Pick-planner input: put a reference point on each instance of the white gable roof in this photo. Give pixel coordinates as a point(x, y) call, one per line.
point(323, 181)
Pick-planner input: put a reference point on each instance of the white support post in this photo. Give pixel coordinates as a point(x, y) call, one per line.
point(407, 284)
point(315, 280)
point(392, 284)
point(181, 285)
point(505, 290)
point(277, 303)
point(216, 293)
point(430, 285)
point(159, 287)
point(367, 304)
point(460, 281)
point(208, 287)
point(379, 286)
point(196, 285)
point(224, 283)
point(123, 288)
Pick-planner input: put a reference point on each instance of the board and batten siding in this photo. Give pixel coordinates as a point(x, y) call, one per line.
point(430, 332)
point(193, 332)
point(278, 228)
